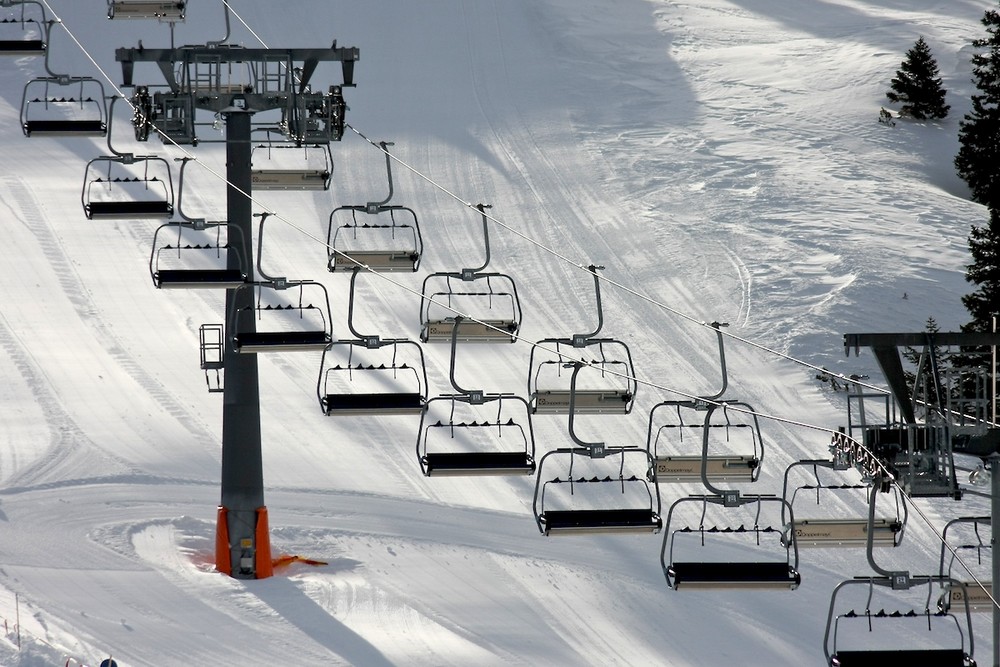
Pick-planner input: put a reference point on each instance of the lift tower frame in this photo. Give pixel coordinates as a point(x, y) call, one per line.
point(279, 80)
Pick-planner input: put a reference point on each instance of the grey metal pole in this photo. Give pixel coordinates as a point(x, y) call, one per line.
point(994, 513)
point(242, 465)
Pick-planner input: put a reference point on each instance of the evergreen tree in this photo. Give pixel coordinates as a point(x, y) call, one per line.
point(984, 272)
point(978, 159)
point(917, 85)
point(983, 302)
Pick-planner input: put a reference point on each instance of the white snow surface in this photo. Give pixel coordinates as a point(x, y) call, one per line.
point(722, 159)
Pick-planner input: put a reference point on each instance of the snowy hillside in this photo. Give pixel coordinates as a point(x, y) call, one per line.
point(721, 159)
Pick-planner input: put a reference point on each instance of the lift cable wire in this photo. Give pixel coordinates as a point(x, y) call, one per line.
point(558, 255)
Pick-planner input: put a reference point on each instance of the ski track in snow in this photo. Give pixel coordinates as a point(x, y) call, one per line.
point(679, 145)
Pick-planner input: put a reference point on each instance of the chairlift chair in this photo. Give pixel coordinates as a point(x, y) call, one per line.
point(301, 166)
point(976, 594)
point(614, 385)
point(297, 324)
point(125, 185)
point(23, 21)
point(843, 531)
point(163, 10)
point(378, 236)
point(607, 496)
point(739, 433)
point(701, 573)
point(194, 253)
point(300, 323)
point(63, 105)
point(395, 388)
point(879, 648)
point(488, 300)
point(475, 433)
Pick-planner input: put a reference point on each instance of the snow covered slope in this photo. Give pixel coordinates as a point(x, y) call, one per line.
point(721, 158)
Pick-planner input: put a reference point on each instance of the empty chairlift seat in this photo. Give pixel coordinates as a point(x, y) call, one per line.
point(689, 438)
point(377, 235)
point(23, 28)
point(64, 106)
point(817, 526)
point(878, 636)
point(576, 493)
point(127, 186)
point(161, 10)
point(691, 549)
point(291, 318)
point(475, 305)
point(608, 384)
point(371, 375)
point(388, 378)
point(290, 165)
point(189, 255)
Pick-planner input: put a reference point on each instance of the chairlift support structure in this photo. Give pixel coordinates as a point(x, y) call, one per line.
point(500, 458)
point(177, 262)
point(407, 381)
point(281, 82)
point(219, 76)
point(63, 105)
point(644, 518)
point(843, 531)
point(467, 286)
point(613, 360)
point(112, 184)
point(920, 453)
point(26, 20)
point(905, 653)
point(708, 466)
point(393, 245)
point(277, 176)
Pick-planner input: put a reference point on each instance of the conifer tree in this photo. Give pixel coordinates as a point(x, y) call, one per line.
point(917, 85)
point(984, 272)
point(978, 159)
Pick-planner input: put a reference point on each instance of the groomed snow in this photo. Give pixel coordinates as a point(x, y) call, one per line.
point(721, 159)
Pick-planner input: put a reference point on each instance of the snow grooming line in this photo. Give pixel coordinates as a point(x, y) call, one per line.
point(474, 446)
point(377, 246)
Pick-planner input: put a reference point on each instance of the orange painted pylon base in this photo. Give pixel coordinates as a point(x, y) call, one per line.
point(263, 567)
point(223, 559)
point(262, 536)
